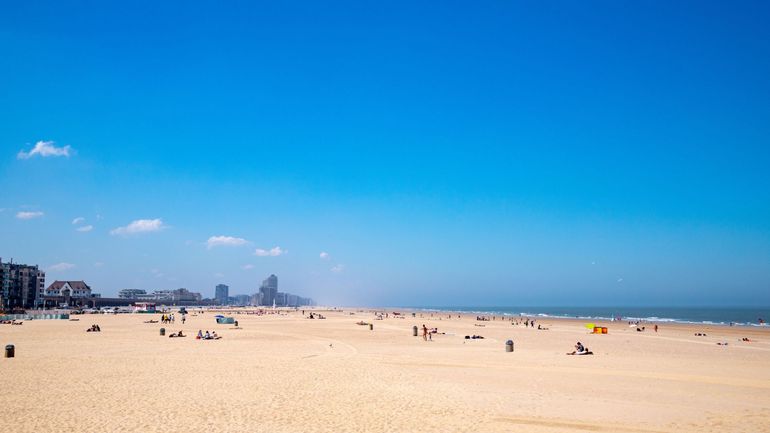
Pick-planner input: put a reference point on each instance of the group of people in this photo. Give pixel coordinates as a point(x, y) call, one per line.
point(176, 335)
point(94, 328)
point(315, 316)
point(526, 322)
point(169, 318)
point(427, 333)
point(207, 335)
point(12, 322)
point(580, 350)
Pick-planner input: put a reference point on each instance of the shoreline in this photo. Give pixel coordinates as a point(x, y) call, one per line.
point(652, 320)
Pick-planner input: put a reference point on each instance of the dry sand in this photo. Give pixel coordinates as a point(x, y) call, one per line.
point(285, 373)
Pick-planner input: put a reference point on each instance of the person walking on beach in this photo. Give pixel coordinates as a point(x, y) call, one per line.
point(424, 332)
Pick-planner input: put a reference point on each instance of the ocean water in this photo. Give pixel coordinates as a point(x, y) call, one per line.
point(749, 316)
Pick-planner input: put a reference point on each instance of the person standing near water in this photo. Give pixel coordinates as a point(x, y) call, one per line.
point(424, 332)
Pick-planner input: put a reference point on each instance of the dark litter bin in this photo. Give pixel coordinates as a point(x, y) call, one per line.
point(162, 331)
point(509, 346)
point(10, 351)
point(414, 331)
point(371, 327)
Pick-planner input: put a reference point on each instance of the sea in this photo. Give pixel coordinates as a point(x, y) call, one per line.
point(748, 316)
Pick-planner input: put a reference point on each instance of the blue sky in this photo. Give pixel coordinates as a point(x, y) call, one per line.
point(498, 153)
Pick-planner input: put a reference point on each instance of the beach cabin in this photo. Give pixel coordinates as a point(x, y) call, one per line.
point(144, 307)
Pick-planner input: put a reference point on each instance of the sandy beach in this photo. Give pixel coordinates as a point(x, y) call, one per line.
point(286, 373)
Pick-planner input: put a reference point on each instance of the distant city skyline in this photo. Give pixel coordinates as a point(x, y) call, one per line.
point(426, 154)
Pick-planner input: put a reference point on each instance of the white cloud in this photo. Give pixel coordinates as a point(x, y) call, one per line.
point(78, 220)
point(620, 280)
point(139, 226)
point(272, 252)
point(61, 267)
point(324, 255)
point(337, 268)
point(45, 149)
point(225, 241)
point(247, 267)
point(28, 215)
point(84, 229)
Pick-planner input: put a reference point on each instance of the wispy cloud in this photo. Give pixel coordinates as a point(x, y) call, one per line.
point(324, 255)
point(140, 226)
point(98, 264)
point(219, 275)
point(84, 229)
point(28, 215)
point(225, 241)
point(78, 220)
point(59, 267)
point(247, 267)
point(337, 268)
point(272, 252)
point(45, 149)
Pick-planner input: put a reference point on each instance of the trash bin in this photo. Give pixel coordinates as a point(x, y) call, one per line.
point(509, 346)
point(371, 326)
point(414, 331)
point(10, 351)
point(162, 331)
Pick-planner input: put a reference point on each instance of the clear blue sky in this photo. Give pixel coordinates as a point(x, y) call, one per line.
point(465, 153)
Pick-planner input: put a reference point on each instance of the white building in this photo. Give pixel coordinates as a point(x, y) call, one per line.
point(73, 289)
